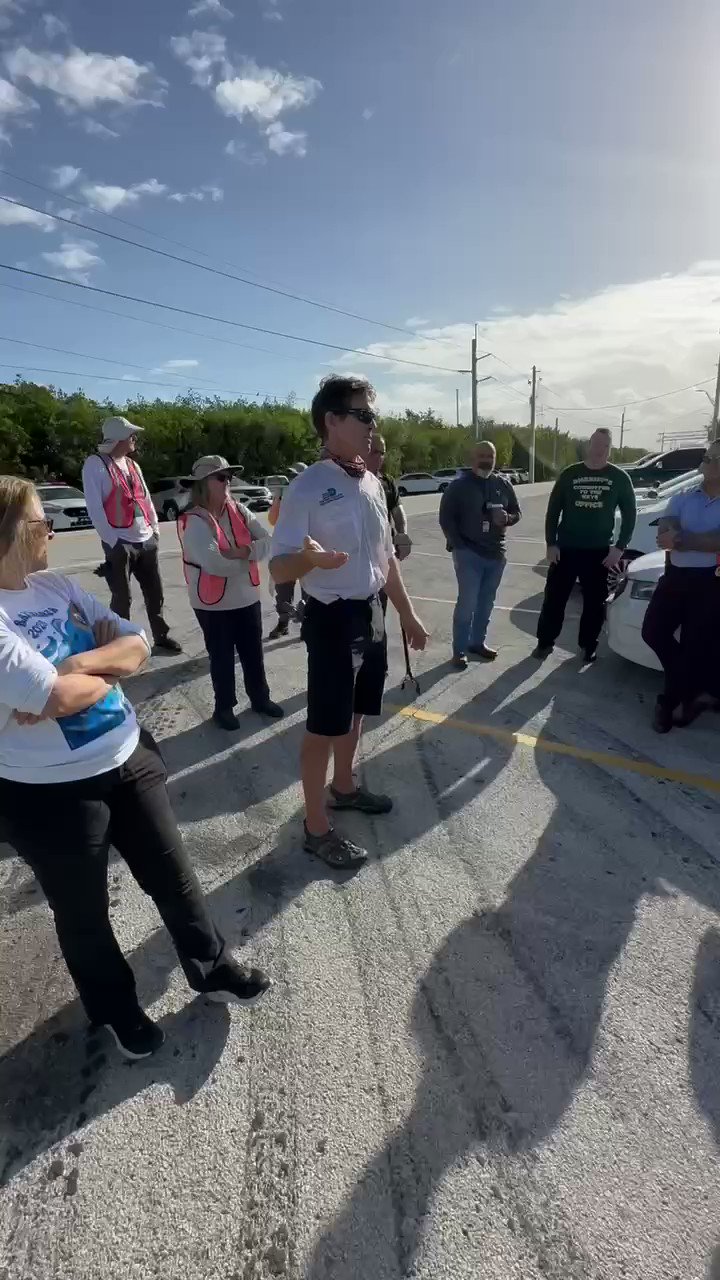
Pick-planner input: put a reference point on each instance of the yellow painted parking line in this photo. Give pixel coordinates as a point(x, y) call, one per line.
point(605, 758)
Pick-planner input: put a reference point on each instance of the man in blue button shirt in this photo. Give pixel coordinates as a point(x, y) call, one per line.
point(687, 598)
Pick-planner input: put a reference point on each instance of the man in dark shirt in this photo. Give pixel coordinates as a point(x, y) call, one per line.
point(396, 511)
point(580, 532)
point(475, 511)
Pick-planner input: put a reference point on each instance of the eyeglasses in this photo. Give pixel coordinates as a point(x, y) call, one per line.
point(366, 416)
point(223, 476)
point(48, 523)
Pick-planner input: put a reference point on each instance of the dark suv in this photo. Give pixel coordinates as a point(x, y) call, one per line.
point(676, 462)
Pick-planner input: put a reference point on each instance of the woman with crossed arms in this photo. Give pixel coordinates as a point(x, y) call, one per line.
point(77, 774)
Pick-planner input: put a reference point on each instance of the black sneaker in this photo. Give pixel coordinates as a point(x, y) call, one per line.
point(269, 708)
point(226, 720)
point(542, 651)
point(233, 983)
point(589, 655)
point(167, 645)
point(278, 631)
point(136, 1036)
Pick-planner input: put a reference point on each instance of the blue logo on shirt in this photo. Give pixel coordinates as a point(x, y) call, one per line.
point(330, 495)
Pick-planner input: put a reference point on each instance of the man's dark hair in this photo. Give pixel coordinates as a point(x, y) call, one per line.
point(334, 396)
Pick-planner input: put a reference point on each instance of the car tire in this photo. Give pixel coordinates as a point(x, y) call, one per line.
point(402, 493)
point(171, 510)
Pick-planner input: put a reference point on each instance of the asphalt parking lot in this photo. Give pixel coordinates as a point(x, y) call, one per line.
point(495, 1052)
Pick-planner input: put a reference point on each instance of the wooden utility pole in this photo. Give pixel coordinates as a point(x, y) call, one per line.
point(473, 375)
point(457, 406)
point(714, 433)
point(555, 445)
point(622, 431)
point(532, 424)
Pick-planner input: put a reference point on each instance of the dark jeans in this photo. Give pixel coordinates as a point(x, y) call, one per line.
point(587, 565)
point(688, 601)
point(63, 831)
point(226, 632)
point(140, 559)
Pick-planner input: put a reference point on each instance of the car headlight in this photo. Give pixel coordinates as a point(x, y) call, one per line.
point(642, 589)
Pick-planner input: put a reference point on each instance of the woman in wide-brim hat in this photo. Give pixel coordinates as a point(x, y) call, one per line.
point(77, 773)
point(222, 545)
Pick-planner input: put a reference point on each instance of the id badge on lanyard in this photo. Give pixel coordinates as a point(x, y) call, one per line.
point(377, 620)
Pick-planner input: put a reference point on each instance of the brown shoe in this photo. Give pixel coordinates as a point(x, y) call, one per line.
point(483, 651)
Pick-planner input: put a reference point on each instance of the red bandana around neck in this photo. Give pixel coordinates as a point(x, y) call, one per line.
point(356, 467)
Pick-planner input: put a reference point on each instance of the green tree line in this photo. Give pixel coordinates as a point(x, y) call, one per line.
point(46, 434)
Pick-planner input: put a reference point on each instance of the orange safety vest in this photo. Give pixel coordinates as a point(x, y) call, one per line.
point(210, 586)
point(127, 493)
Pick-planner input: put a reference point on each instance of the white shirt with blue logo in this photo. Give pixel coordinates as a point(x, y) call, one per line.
point(342, 513)
point(50, 619)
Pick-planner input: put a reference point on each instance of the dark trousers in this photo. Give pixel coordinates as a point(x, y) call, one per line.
point(63, 831)
point(231, 631)
point(587, 565)
point(140, 559)
point(285, 601)
point(685, 601)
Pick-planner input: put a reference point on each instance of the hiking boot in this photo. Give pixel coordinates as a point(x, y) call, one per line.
point(226, 720)
point(335, 850)
point(361, 800)
point(136, 1035)
point(279, 630)
point(233, 983)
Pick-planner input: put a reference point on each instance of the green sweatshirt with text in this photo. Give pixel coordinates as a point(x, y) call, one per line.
point(582, 505)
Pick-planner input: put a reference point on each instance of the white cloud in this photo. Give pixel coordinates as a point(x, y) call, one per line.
point(13, 104)
point(97, 130)
point(107, 197)
point(264, 93)
point(54, 26)
point(173, 366)
point(75, 257)
point(68, 213)
point(416, 322)
point(198, 194)
point(283, 142)
point(14, 215)
point(83, 79)
point(368, 113)
point(8, 10)
point(243, 153)
point(270, 12)
point(622, 343)
point(201, 52)
point(64, 176)
point(214, 9)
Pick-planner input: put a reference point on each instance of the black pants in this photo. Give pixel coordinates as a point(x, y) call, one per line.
point(140, 559)
point(63, 831)
point(285, 601)
point(574, 563)
point(226, 632)
point(688, 601)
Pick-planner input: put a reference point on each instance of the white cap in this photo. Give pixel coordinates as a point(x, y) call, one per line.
point(210, 464)
point(114, 431)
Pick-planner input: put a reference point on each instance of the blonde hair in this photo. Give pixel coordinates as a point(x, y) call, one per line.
point(199, 493)
point(16, 495)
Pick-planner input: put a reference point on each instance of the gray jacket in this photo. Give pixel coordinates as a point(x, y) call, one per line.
point(464, 516)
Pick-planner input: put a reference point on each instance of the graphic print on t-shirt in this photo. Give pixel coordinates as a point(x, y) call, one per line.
point(590, 492)
point(57, 640)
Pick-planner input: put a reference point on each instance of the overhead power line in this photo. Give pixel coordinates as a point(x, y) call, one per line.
point(106, 377)
point(200, 266)
point(83, 355)
point(237, 324)
point(594, 408)
point(156, 324)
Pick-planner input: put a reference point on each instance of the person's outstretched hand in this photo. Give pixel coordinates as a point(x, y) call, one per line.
point(322, 559)
point(416, 635)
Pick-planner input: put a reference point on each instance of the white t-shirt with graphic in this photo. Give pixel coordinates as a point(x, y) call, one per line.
point(50, 619)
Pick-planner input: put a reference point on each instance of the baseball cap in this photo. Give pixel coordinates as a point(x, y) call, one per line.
point(210, 464)
point(116, 429)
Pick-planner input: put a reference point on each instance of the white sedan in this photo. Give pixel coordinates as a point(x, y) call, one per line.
point(65, 506)
point(627, 607)
point(418, 482)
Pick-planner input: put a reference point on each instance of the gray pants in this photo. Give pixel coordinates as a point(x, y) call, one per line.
point(285, 601)
point(139, 560)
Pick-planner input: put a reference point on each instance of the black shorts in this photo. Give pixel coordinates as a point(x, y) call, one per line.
point(346, 664)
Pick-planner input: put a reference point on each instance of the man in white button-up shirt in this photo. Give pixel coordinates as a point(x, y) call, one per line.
point(333, 534)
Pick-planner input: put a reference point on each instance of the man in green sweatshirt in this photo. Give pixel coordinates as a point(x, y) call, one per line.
point(579, 531)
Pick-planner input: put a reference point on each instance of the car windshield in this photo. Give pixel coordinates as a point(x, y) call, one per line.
point(55, 493)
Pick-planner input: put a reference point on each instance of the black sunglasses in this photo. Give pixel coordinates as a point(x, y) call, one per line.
point(366, 416)
point(48, 523)
point(222, 475)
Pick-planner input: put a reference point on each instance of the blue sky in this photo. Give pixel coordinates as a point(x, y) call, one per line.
point(549, 171)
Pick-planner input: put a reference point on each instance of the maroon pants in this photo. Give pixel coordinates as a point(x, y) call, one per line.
point(682, 626)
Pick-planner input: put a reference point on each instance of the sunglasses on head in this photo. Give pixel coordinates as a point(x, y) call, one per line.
point(366, 416)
